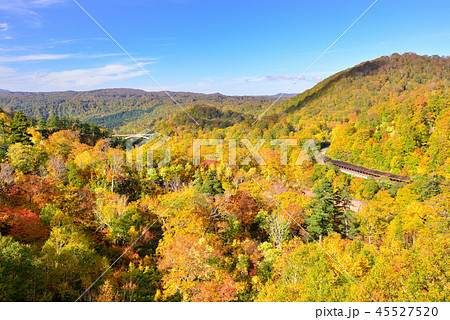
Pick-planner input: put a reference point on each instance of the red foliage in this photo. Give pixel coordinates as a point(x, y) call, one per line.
point(215, 291)
point(244, 207)
point(23, 225)
point(33, 192)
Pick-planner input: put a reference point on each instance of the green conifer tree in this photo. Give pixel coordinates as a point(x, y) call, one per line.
point(330, 212)
point(42, 123)
point(198, 182)
point(432, 188)
point(18, 132)
point(321, 222)
point(212, 186)
point(53, 122)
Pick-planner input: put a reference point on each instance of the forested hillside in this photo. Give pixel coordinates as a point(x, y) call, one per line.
point(115, 108)
point(354, 91)
point(390, 114)
point(72, 200)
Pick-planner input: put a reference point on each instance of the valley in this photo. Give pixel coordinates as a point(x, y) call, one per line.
point(216, 203)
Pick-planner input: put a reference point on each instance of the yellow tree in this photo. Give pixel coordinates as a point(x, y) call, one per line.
point(375, 216)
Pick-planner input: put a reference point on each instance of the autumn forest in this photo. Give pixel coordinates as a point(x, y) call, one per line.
point(86, 214)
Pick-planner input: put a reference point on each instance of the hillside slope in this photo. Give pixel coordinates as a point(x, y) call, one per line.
point(355, 90)
point(392, 113)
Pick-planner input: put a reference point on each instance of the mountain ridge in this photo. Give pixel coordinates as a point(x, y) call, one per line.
point(114, 108)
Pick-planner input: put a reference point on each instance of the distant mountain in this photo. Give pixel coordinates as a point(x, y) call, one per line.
point(114, 108)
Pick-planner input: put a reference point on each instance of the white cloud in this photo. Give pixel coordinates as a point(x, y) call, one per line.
point(102, 55)
point(266, 78)
point(35, 57)
point(90, 77)
point(4, 27)
point(83, 79)
point(6, 70)
point(45, 3)
point(201, 87)
point(45, 56)
point(17, 7)
point(283, 77)
point(27, 8)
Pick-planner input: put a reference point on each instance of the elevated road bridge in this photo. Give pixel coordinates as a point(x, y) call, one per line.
point(365, 172)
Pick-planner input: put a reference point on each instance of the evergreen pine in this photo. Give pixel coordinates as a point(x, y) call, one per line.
point(198, 182)
point(53, 122)
point(432, 188)
point(3, 142)
point(18, 132)
point(330, 212)
point(212, 186)
point(41, 123)
point(320, 223)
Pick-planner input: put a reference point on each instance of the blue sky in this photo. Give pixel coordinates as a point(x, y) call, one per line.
point(232, 47)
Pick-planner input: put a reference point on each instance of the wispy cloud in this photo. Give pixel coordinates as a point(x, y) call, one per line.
point(6, 71)
point(28, 8)
point(90, 77)
point(51, 44)
point(101, 55)
point(84, 79)
point(283, 77)
point(35, 57)
point(43, 57)
point(46, 3)
point(4, 27)
point(16, 7)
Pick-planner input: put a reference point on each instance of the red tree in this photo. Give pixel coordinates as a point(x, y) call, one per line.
point(23, 225)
